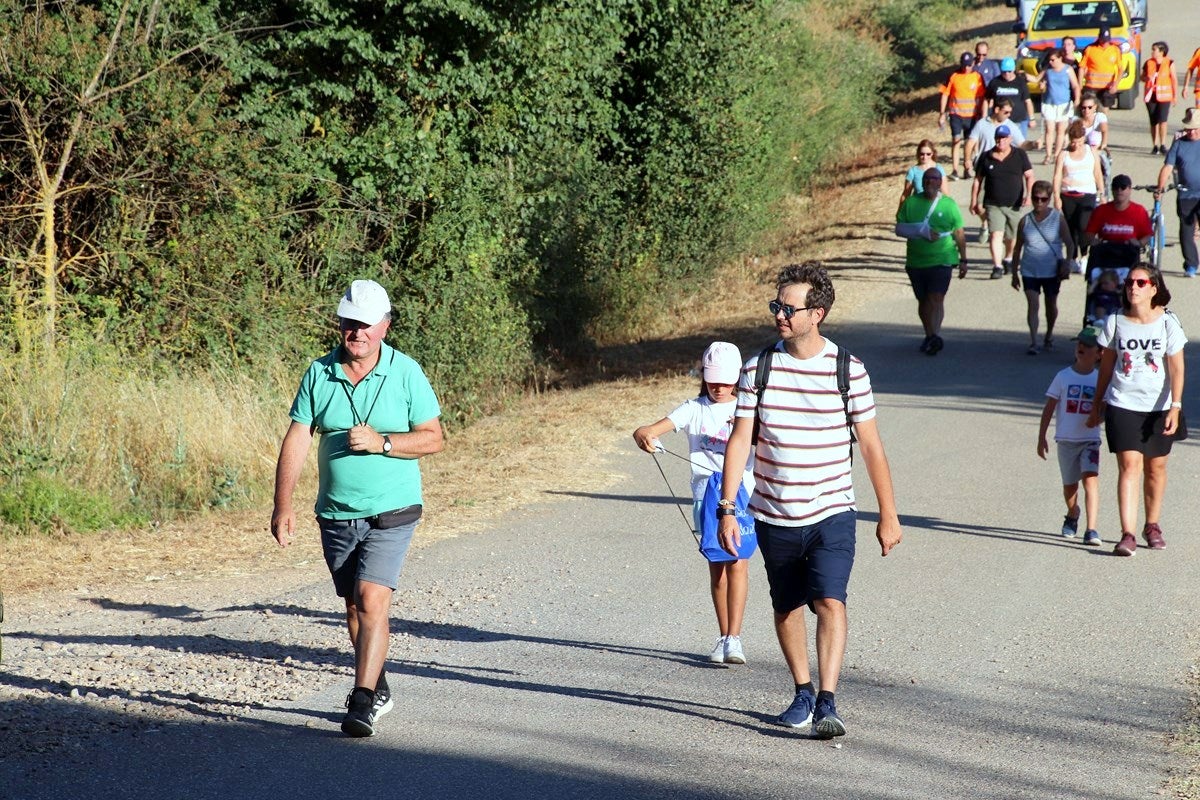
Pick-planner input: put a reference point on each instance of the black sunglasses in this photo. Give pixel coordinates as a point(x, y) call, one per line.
point(1141, 283)
point(788, 311)
point(1037, 198)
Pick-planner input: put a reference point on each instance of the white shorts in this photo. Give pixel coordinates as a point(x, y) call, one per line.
point(1059, 113)
point(1076, 459)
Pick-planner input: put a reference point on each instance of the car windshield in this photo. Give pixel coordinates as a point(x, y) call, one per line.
point(1078, 16)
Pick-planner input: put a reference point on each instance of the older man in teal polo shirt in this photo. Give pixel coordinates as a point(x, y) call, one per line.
point(376, 414)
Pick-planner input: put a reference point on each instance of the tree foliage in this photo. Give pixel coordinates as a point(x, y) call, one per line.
point(201, 178)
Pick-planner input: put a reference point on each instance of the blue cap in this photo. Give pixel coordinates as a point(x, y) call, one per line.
point(966, 59)
point(1008, 65)
point(1003, 131)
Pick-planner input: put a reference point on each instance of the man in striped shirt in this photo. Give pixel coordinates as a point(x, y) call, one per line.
point(803, 501)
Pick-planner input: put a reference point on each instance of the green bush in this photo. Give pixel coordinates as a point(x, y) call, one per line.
point(51, 503)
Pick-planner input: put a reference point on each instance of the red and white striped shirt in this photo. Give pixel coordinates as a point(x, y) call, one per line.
point(802, 461)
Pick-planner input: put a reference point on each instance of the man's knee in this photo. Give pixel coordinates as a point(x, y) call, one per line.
point(828, 607)
point(371, 598)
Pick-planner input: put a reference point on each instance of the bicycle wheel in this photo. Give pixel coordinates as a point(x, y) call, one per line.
point(1157, 242)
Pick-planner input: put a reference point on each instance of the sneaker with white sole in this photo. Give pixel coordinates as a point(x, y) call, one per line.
point(717, 656)
point(1127, 546)
point(733, 650)
point(826, 723)
point(1092, 537)
point(383, 702)
point(1070, 528)
point(800, 713)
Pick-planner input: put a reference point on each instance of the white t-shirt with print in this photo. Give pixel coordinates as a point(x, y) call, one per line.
point(1139, 381)
point(1075, 394)
point(707, 425)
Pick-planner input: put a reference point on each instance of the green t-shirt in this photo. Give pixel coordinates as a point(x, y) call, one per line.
point(946, 219)
point(393, 398)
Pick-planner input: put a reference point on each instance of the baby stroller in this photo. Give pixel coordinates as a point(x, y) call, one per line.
point(1108, 264)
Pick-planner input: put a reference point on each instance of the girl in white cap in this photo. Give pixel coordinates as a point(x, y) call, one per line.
point(708, 420)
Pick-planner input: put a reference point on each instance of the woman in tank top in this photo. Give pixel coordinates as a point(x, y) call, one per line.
point(1041, 236)
point(1060, 93)
point(1078, 186)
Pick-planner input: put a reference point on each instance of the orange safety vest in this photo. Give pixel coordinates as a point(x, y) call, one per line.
point(965, 91)
point(1160, 80)
point(1101, 65)
point(1194, 64)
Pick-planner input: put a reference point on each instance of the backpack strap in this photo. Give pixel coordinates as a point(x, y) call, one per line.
point(843, 384)
point(762, 372)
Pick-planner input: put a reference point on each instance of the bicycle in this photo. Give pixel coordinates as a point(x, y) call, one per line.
point(1158, 238)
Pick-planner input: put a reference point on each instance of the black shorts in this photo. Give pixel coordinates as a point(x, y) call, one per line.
point(929, 280)
point(961, 127)
point(1158, 112)
point(1047, 286)
point(1140, 431)
point(809, 562)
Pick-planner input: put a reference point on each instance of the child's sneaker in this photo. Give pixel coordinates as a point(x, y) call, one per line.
point(1154, 537)
point(733, 650)
point(1092, 537)
point(717, 656)
point(1070, 527)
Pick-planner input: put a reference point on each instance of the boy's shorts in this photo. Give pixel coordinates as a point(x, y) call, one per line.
point(809, 562)
point(929, 280)
point(1076, 459)
point(355, 551)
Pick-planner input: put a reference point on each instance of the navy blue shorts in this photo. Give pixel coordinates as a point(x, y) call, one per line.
point(1049, 286)
point(960, 127)
point(809, 562)
point(929, 280)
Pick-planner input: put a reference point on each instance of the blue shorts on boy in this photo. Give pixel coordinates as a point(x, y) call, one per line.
point(1078, 445)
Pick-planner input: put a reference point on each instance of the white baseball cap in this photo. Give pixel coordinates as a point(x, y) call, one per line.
point(365, 301)
point(722, 363)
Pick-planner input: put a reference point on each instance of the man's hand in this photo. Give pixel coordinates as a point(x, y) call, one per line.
point(1043, 447)
point(729, 535)
point(1016, 281)
point(283, 525)
point(962, 268)
point(364, 439)
point(888, 533)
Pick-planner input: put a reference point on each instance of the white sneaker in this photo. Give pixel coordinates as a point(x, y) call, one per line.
point(717, 656)
point(733, 650)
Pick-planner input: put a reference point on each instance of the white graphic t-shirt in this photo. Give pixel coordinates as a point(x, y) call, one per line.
point(707, 425)
point(1075, 394)
point(1139, 381)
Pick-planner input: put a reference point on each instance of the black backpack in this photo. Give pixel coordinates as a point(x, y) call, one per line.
point(763, 371)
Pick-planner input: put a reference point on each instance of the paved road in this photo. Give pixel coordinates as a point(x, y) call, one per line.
point(562, 653)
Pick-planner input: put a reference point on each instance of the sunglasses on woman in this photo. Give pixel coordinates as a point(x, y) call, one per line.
point(924, 153)
point(1140, 283)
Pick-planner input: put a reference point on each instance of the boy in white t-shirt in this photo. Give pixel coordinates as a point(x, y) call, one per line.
point(1072, 394)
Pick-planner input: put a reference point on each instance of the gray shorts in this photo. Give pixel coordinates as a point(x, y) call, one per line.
point(355, 551)
point(1003, 218)
point(1076, 459)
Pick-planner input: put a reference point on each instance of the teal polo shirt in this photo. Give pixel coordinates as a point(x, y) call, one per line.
point(393, 398)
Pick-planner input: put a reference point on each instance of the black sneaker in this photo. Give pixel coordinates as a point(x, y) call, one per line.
point(935, 346)
point(360, 718)
point(826, 723)
point(928, 340)
point(997, 273)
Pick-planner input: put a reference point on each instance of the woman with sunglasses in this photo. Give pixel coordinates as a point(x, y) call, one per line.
point(1078, 187)
point(1095, 129)
point(914, 179)
point(1041, 236)
point(1140, 387)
